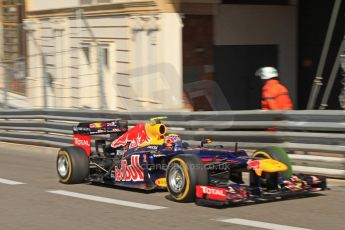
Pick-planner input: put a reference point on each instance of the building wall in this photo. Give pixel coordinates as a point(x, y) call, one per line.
point(11, 27)
point(262, 25)
point(33, 5)
point(1, 33)
point(139, 57)
point(13, 44)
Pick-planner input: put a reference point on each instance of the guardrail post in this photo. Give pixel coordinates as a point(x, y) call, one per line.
point(101, 61)
point(44, 80)
point(318, 79)
point(6, 72)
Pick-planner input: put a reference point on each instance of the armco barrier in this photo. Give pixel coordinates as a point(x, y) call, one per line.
point(309, 131)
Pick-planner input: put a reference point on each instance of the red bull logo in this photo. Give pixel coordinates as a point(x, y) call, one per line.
point(97, 125)
point(254, 164)
point(135, 136)
point(133, 172)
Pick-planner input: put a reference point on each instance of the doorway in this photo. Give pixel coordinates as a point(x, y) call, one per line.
point(235, 67)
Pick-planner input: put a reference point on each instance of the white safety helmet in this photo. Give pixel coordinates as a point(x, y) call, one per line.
point(266, 73)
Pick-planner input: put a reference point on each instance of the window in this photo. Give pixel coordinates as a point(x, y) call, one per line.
point(11, 2)
point(105, 57)
point(85, 2)
point(13, 9)
point(104, 1)
point(86, 51)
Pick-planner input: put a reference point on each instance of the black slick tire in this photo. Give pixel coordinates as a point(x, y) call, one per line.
point(72, 165)
point(192, 172)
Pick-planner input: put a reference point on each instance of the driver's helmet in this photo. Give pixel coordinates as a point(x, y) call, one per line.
point(173, 141)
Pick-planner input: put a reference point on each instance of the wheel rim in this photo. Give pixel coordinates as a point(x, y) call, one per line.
point(63, 166)
point(176, 178)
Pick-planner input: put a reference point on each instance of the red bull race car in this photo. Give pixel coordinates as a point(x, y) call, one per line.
point(146, 157)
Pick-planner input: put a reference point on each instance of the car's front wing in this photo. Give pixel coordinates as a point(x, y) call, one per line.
point(237, 193)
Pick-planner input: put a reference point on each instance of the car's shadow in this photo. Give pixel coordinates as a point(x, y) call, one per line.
point(256, 202)
point(205, 203)
point(130, 189)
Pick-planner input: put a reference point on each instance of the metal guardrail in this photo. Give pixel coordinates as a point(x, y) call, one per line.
point(317, 131)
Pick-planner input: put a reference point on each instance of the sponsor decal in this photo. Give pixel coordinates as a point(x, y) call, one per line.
point(98, 131)
point(152, 147)
point(253, 164)
point(81, 129)
point(113, 123)
point(83, 141)
point(161, 182)
point(97, 125)
point(132, 172)
point(114, 130)
point(80, 142)
point(136, 136)
point(212, 193)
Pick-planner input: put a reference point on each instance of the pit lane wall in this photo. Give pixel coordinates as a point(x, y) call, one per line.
point(314, 139)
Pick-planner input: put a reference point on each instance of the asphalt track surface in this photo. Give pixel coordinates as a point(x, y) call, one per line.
point(32, 198)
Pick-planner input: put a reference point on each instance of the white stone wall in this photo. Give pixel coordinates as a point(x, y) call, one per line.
point(33, 5)
point(142, 70)
point(34, 79)
point(157, 61)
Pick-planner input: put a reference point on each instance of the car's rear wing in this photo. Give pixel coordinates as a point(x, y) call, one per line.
point(104, 127)
point(83, 131)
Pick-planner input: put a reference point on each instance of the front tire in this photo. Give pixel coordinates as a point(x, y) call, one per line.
point(184, 172)
point(72, 165)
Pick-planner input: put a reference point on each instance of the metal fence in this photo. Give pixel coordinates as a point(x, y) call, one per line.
point(308, 131)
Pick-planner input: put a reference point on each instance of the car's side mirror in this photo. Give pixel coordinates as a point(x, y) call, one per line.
point(205, 141)
point(185, 145)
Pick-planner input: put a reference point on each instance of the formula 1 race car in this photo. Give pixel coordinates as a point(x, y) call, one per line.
point(145, 157)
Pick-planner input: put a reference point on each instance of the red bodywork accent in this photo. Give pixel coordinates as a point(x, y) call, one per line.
point(136, 136)
point(83, 141)
point(254, 164)
point(211, 193)
point(132, 172)
point(206, 160)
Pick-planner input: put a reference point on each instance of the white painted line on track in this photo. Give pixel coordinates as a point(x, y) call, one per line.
point(107, 200)
point(10, 182)
point(258, 224)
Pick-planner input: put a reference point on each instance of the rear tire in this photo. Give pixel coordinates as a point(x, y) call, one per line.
point(184, 172)
point(279, 154)
point(72, 165)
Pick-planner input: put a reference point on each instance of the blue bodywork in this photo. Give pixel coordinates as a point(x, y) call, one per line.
point(153, 160)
